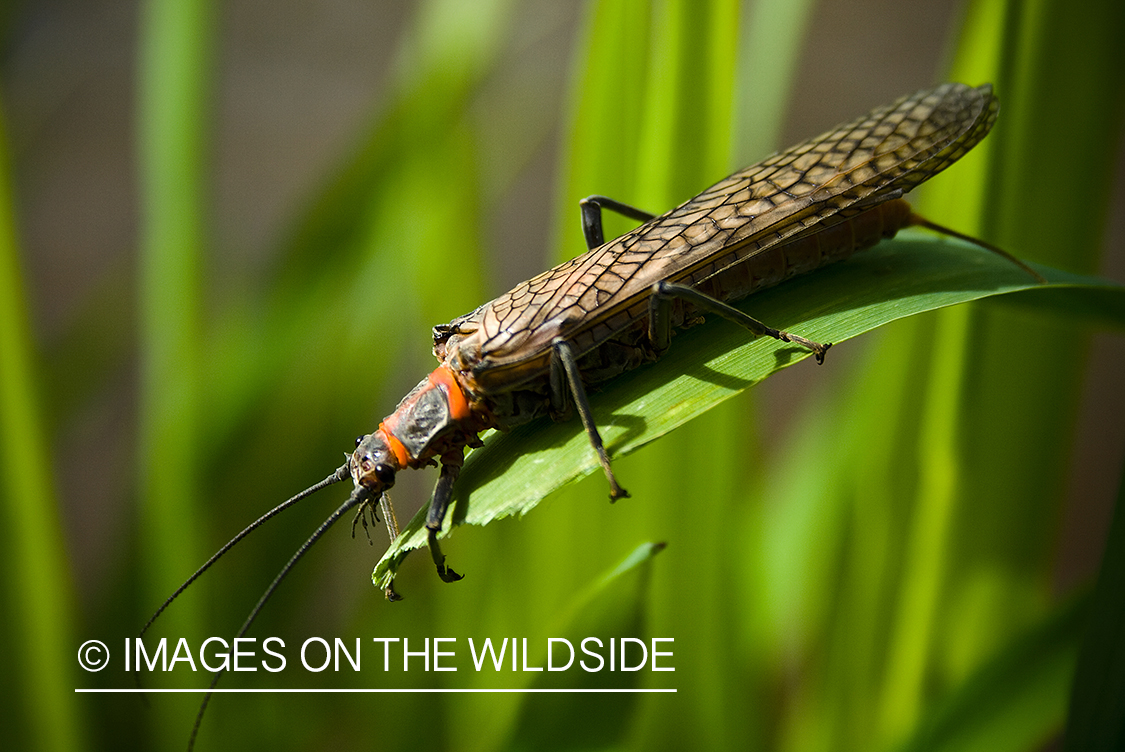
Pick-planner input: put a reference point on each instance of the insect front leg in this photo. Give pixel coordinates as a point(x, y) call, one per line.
point(565, 380)
point(451, 463)
point(592, 206)
point(660, 318)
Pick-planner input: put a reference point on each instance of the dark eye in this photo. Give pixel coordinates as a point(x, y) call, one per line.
point(359, 440)
point(386, 474)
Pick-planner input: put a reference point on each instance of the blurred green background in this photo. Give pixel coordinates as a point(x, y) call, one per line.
point(227, 228)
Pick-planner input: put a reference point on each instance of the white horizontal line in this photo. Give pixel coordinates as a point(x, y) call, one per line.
point(369, 690)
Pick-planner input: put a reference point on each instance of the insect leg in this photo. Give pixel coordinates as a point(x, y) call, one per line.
point(592, 217)
point(564, 359)
point(918, 221)
point(660, 328)
point(450, 468)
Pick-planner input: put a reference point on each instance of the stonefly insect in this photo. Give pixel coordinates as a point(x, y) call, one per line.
point(535, 350)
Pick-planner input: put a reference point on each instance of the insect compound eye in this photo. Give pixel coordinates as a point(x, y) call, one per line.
point(386, 474)
point(359, 440)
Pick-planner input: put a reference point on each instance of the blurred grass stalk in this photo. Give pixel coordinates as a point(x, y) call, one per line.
point(38, 590)
point(175, 54)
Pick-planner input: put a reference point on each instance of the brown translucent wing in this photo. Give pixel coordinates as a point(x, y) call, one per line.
point(821, 181)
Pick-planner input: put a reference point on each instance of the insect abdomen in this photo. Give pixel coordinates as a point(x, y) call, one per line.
point(810, 251)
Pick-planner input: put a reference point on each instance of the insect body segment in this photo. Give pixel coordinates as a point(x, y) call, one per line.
point(434, 420)
point(433, 417)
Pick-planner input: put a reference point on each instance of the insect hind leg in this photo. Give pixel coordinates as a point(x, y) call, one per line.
point(660, 318)
point(916, 220)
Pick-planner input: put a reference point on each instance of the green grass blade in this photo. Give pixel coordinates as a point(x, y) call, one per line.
point(768, 54)
point(1097, 701)
point(38, 591)
point(174, 76)
point(1010, 703)
point(173, 82)
point(617, 604)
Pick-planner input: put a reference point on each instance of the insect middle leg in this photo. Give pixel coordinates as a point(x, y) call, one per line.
point(567, 381)
point(660, 317)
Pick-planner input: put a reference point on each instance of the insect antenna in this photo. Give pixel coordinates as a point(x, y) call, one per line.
point(360, 495)
point(340, 474)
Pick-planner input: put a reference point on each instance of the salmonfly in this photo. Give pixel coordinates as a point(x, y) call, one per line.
point(534, 351)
